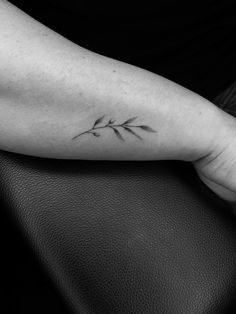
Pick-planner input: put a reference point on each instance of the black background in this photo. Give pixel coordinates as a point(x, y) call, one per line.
point(189, 42)
point(192, 44)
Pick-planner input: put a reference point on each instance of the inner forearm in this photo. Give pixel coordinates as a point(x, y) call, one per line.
point(54, 92)
point(55, 118)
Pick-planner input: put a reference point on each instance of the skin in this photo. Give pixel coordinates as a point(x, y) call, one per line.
point(59, 100)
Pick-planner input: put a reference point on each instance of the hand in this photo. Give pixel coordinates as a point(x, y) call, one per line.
point(218, 169)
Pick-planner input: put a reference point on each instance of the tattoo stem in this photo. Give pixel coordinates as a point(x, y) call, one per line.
point(125, 125)
point(105, 126)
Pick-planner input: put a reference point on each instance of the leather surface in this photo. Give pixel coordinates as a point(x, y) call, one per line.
point(124, 237)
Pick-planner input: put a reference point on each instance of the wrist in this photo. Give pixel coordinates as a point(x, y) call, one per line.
point(217, 169)
point(222, 127)
point(197, 127)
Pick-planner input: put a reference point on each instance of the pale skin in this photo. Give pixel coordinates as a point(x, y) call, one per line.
point(59, 100)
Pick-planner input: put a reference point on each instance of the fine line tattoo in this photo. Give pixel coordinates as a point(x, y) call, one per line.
point(125, 125)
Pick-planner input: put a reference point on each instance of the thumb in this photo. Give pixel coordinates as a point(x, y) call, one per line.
point(217, 188)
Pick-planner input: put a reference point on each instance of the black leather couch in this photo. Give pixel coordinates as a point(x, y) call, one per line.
point(113, 237)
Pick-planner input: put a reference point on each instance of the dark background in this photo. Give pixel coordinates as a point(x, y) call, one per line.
point(189, 43)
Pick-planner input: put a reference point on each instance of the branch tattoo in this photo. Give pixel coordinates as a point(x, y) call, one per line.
point(115, 127)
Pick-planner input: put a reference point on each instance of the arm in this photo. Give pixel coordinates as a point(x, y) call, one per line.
point(52, 92)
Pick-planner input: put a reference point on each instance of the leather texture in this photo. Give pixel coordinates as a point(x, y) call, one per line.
point(123, 236)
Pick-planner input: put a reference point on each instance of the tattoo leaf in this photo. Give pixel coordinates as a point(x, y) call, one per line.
point(130, 120)
point(147, 128)
point(95, 134)
point(98, 121)
point(117, 133)
point(111, 121)
point(132, 132)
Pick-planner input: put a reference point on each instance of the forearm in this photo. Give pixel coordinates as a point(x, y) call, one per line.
point(52, 90)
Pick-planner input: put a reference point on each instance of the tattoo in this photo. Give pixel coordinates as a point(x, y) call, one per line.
point(125, 125)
